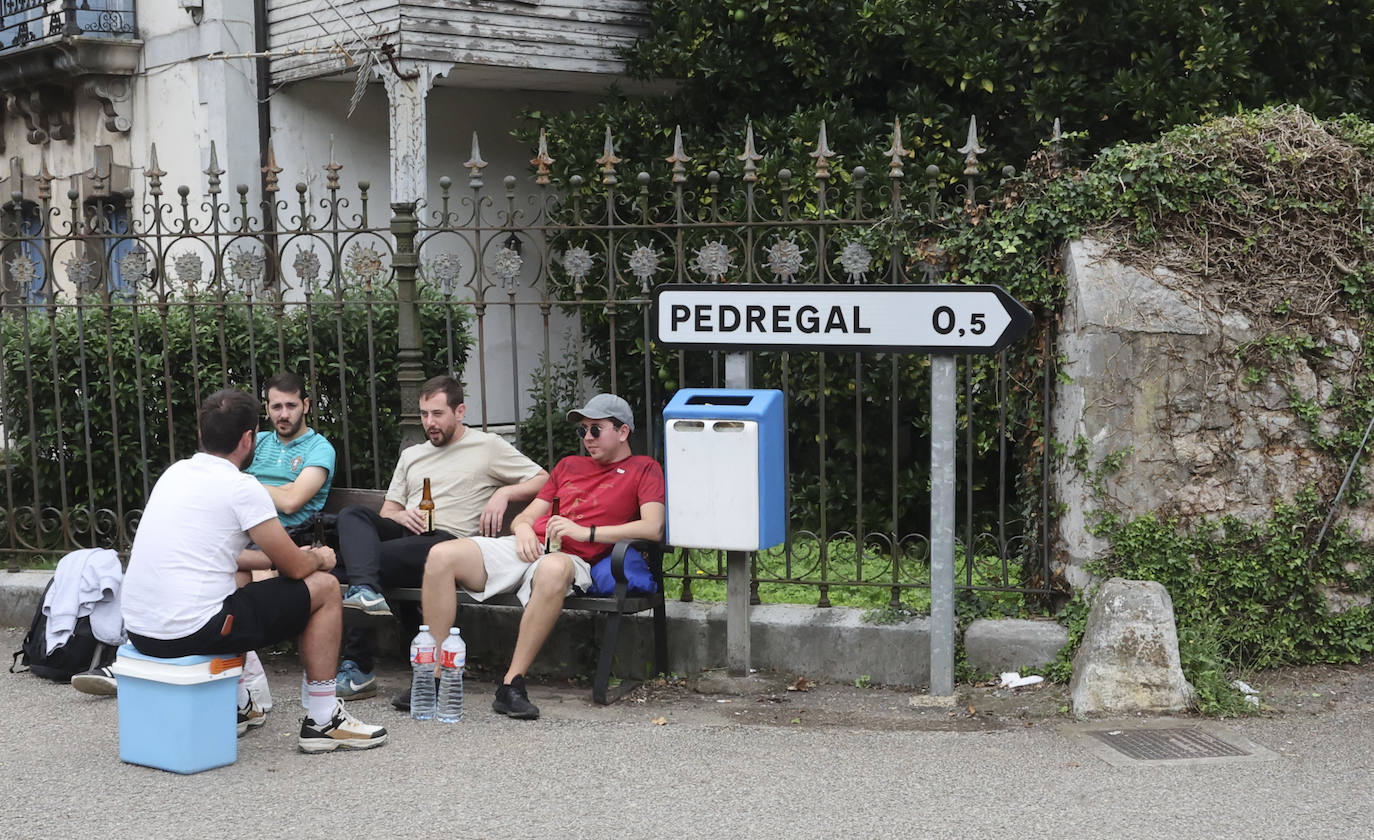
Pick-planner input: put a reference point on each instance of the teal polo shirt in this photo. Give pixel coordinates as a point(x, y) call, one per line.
point(276, 463)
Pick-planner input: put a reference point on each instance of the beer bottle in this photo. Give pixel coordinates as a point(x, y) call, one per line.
point(552, 543)
point(427, 508)
point(319, 531)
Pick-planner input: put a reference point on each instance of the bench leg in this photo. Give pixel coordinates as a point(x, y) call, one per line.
point(603, 666)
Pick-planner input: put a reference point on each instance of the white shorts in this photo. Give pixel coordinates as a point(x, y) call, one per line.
point(506, 572)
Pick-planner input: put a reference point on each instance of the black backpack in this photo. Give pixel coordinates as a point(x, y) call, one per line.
point(81, 652)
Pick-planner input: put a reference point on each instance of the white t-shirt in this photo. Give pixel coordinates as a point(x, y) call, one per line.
point(186, 550)
point(462, 476)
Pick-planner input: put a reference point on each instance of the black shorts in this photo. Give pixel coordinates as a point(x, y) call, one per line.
point(254, 616)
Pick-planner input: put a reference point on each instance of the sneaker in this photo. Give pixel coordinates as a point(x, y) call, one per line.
point(99, 681)
point(401, 702)
point(251, 715)
point(512, 701)
point(367, 599)
point(341, 732)
point(353, 683)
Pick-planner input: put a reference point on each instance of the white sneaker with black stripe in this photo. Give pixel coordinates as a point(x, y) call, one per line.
point(340, 732)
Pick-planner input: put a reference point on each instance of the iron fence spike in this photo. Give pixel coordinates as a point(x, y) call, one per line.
point(750, 157)
point(896, 151)
point(822, 155)
point(608, 160)
point(678, 158)
point(541, 161)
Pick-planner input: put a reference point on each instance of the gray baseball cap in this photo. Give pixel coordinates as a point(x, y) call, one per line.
point(603, 406)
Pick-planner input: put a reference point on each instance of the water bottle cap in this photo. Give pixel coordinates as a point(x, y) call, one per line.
point(424, 627)
point(453, 631)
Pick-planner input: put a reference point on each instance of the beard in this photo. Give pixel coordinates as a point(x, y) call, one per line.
point(292, 430)
point(248, 460)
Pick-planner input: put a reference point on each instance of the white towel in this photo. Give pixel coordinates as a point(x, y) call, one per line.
point(86, 583)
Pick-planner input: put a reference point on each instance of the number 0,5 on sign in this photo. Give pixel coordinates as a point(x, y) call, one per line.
point(912, 319)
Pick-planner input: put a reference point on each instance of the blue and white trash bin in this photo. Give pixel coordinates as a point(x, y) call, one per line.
point(724, 465)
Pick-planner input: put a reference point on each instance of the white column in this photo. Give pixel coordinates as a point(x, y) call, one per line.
point(406, 98)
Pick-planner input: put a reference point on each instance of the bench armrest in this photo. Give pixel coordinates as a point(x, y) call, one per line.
point(652, 551)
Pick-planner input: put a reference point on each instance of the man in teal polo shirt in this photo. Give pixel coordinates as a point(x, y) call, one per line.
point(296, 465)
point(293, 461)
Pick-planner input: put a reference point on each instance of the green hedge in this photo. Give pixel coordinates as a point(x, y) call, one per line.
point(127, 377)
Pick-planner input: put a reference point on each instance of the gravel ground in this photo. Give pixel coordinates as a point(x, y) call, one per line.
point(669, 761)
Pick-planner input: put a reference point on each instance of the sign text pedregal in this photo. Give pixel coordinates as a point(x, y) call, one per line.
point(912, 319)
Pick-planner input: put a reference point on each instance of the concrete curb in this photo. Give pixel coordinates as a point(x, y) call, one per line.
point(834, 644)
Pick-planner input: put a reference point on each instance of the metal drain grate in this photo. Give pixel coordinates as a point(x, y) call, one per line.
point(1167, 744)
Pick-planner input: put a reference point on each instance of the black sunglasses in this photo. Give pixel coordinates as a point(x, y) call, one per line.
point(594, 431)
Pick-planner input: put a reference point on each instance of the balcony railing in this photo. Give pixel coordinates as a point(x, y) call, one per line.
point(28, 23)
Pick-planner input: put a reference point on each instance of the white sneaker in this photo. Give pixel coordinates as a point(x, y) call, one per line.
point(341, 732)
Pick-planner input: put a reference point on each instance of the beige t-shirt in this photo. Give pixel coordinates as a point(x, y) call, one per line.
point(462, 476)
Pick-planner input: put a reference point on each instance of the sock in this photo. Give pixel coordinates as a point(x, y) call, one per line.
point(319, 704)
point(243, 692)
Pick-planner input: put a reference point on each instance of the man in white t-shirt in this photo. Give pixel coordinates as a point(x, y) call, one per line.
point(180, 596)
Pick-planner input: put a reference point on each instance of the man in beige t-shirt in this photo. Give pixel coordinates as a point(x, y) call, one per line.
point(473, 477)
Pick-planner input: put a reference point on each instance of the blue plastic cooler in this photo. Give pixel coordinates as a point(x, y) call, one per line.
point(177, 714)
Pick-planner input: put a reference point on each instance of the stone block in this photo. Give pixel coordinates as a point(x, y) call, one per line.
point(1127, 661)
point(20, 595)
point(1014, 644)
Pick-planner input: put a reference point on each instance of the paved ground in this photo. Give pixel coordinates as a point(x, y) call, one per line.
point(670, 762)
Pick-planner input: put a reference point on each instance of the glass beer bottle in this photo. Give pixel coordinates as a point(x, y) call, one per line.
point(427, 508)
point(552, 543)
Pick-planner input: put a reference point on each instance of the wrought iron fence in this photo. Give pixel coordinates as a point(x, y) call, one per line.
point(27, 22)
point(115, 323)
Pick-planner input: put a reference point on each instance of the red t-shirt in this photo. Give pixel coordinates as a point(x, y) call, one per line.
point(599, 494)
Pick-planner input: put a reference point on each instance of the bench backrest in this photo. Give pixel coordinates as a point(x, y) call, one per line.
point(342, 497)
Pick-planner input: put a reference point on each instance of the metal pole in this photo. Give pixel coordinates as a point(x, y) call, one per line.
point(737, 562)
point(942, 394)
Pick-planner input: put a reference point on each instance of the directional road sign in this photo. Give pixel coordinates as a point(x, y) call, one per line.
point(943, 320)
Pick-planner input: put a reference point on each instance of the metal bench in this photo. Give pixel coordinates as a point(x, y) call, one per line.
point(614, 606)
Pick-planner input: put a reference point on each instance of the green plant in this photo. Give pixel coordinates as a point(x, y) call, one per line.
point(1251, 595)
point(97, 400)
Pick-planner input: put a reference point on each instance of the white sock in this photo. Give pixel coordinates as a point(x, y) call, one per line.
point(243, 692)
point(320, 700)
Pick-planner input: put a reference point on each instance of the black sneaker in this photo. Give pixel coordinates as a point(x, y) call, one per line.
point(251, 715)
point(401, 702)
point(512, 701)
point(100, 681)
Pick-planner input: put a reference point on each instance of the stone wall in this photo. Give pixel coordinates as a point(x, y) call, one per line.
point(1160, 414)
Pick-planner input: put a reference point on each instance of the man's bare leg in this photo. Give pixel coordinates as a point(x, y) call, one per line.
point(449, 564)
point(547, 589)
point(320, 639)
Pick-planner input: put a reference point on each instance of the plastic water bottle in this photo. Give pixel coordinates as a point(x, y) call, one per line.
point(422, 650)
point(453, 656)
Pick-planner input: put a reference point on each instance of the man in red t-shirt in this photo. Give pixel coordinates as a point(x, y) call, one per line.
point(607, 495)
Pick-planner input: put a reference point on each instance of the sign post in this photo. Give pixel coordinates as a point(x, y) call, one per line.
point(941, 320)
point(737, 656)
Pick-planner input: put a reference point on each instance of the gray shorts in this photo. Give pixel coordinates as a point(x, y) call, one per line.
point(506, 572)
